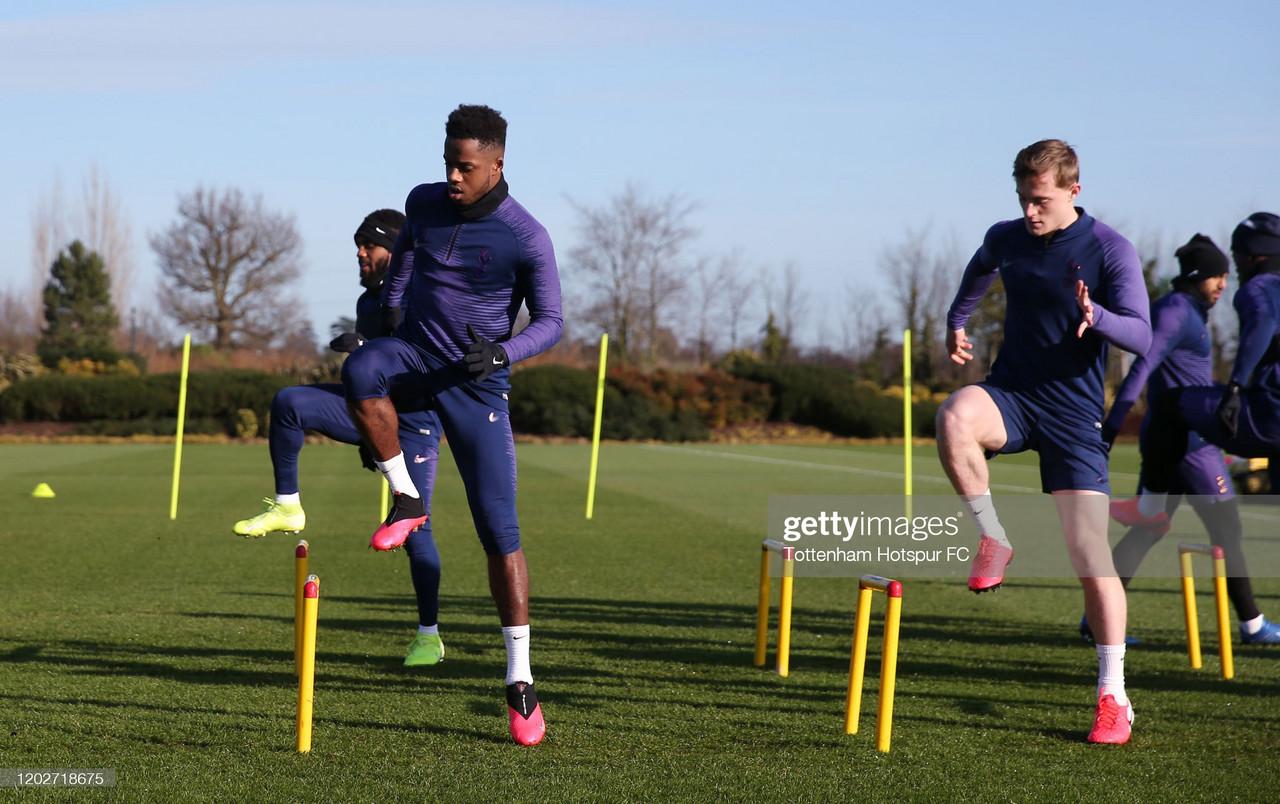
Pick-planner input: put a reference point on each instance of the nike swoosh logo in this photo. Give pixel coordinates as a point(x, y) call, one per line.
point(493, 417)
point(419, 459)
point(497, 361)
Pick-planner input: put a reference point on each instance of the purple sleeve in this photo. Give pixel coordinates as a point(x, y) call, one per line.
point(541, 286)
point(1126, 320)
point(400, 270)
point(1257, 328)
point(1167, 330)
point(977, 279)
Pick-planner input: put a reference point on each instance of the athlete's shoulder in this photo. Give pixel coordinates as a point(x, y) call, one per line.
point(425, 197)
point(521, 222)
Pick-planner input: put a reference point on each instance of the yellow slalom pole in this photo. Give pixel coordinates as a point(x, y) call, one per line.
point(906, 414)
point(762, 609)
point(595, 433)
point(182, 414)
point(1224, 619)
point(889, 667)
point(300, 573)
point(386, 503)
point(784, 610)
point(307, 678)
point(1189, 611)
point(857, 661)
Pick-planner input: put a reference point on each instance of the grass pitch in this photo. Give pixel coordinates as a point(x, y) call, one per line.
point(164, 649)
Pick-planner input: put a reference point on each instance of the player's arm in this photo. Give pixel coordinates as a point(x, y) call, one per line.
point(979, 274)
point(1168, 329)
point(398, 273)
point(1125, 321)
point(539, 283)
point(1258, 317)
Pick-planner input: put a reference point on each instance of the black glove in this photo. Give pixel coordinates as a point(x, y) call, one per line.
point(1109, 436)
point(366, 458)
point(1228, 413)
point(391, 318)
point(347, 342)
point(483, 356)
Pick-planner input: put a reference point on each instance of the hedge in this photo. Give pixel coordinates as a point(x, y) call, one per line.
point(218, 395)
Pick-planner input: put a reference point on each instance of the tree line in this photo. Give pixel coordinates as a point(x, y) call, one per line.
point(229, 267)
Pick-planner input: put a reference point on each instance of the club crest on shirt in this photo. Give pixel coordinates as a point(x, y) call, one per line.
point(1069, 278)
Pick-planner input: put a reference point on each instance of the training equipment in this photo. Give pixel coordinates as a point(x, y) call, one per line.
point(285, 517)
point(43, 490)
point(788, 554)
point(527, 724)
point(867, 585)
point(307, 676)
point(425, 649)
point(407, 515)
point(986, 573)
point(1112, 723)
point(1126, 513)
point(300, 556)
point(1185, 551)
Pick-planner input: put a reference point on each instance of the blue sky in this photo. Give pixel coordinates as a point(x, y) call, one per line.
point(812, 133)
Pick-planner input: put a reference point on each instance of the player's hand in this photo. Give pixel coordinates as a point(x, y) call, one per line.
point(1086, 307)
point(1228, 413)
point(347, 342)
point(366, 458)
point(483, 356)
point(959, 347)
point(391, 318)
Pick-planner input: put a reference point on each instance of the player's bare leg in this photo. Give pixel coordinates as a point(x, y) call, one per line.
point(968, 424)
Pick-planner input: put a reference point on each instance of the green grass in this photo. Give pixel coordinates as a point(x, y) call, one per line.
point(164, 649)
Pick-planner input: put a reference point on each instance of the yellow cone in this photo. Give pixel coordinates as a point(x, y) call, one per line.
point(43, 490)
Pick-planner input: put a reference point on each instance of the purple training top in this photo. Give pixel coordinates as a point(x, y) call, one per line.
point(453, 267)
point(1180, 354)
point(1041, 356)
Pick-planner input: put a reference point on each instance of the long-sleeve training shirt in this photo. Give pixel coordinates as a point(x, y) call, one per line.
point(477, 265)
point(1181, 353)
point(1041, 355)
point(1257, 364)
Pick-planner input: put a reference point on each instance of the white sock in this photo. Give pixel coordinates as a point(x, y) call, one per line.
point(983, 510)
point(429, 630)
point(1111, 672)
point(1253, 626)
point(1151, 503)
point(289, 499)
point(397, 475)
point(517, 639)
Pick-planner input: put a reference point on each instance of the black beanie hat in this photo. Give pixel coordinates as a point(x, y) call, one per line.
point(1257, 234)
point(1200, 259)
point(380, 228)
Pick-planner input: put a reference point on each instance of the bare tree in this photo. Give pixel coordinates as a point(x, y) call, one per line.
point(737, 289)
point(630, 251)
point(227, 264)
point(922, 285)
point(792, 303)
point(98, 221)
point(18, 330)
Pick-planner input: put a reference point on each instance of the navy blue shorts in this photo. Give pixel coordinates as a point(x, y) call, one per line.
point(473, 415)
point(1073, 456)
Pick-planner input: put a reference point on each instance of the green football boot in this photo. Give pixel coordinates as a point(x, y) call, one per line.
point(425, 649)
point(284, 517)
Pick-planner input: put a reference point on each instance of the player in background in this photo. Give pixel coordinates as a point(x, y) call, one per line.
point(322, 408)
point(1242, 417)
